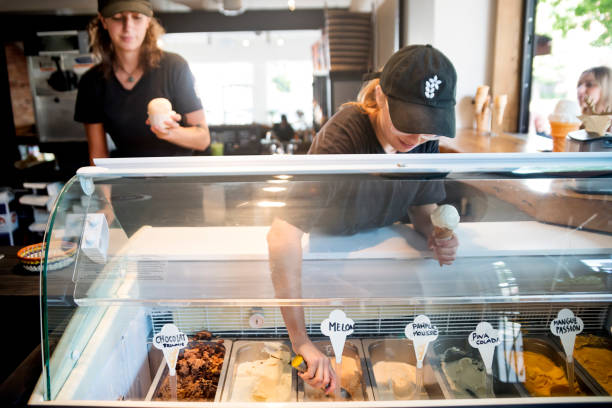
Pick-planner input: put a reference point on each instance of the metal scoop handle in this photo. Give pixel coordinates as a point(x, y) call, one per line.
point(300, 365)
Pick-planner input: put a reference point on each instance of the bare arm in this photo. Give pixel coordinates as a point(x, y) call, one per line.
point(285, 255)
point(194, 136)
point(96, 140)
point(445, 250)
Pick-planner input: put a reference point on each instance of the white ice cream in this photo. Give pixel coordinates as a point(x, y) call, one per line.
point(160, 111)
point(266, 380)
point(395, 377)
point(159, 106)
point(566, 111)
point(445, 216)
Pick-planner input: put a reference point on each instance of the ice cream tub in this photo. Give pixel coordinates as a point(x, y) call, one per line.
point(211, 382)
point(257, 375)
point(593, 359)
point(392, 369)
point(546, 371)
point(355, 378)
point(461, 373)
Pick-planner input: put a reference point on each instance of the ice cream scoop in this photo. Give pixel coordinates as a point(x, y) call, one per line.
point(445, 219)
point(160, 111)
point(300, 365)
point(566, 111)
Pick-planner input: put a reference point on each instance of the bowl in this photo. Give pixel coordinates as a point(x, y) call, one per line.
point(61, 255)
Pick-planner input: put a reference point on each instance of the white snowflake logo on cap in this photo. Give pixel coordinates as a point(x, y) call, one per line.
point(431, 86)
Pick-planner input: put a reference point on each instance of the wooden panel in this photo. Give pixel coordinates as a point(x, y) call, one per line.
point(507, 58)
point(349, 37)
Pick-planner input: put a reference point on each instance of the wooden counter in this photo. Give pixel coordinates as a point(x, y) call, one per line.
point(471, 141)
point(14, 280)
point(553, 201)
point(20, 305)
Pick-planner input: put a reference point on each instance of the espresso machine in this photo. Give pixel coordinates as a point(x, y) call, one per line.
point(56, 61)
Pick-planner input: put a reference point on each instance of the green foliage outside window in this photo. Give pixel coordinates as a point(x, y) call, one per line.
point(570, 14)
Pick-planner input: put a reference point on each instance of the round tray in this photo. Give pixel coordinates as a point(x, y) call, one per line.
point(61, 255)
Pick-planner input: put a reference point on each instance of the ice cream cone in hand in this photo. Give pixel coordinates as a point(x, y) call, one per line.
point(445, 219)
point(442, 233)
point(160, 111)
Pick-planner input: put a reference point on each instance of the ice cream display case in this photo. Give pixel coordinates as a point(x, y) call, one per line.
point(188, 272)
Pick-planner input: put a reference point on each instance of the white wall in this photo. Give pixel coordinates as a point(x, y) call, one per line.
point(386, 19)
point(463, 31)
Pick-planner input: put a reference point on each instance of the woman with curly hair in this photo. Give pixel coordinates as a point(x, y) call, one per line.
point(132, 70)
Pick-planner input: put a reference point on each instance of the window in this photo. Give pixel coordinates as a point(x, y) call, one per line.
point(560, 59)
point(226, 90)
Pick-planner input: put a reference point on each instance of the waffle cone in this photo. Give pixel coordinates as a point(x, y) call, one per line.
point(559, 131)
point(442, 233)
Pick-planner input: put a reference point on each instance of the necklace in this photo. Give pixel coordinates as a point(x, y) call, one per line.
point(130, 75)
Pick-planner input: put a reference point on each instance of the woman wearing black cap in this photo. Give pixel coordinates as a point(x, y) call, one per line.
point(133, 70)
point(403, 109)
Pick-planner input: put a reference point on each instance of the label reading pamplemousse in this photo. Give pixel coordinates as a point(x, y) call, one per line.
point(567, 326)
point(170, 340)
point(422, 332)
point(485, 338)
point(337, 327)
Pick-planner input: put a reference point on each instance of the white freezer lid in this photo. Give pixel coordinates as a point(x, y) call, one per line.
point(399, 241)
point(518, 163)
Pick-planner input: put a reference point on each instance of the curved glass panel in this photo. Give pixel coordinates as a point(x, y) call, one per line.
point(233, 253)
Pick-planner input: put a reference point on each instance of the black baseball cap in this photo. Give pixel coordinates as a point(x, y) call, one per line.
point(420, 84)
point(109, 8)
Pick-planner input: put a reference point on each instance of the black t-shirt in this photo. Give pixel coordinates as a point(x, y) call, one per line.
point(349, 131)
point(124, 112)
point(283, 133)
point(345, 206)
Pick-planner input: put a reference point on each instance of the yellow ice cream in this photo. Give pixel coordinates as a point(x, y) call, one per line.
point(266, 380)
point(597, 360)
point(396, 377)
point(544, 378)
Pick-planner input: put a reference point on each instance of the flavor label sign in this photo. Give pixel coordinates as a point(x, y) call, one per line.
point(485, 338)
point(337, 327)
point(567, 326)
point(170, 340)
point(421, 332)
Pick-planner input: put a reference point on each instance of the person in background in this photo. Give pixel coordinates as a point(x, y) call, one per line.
point(113, 95)
point(283, 130)
point(594, 90)
point(403, 109)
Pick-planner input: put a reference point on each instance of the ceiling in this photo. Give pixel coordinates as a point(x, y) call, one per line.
point(68, 7)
